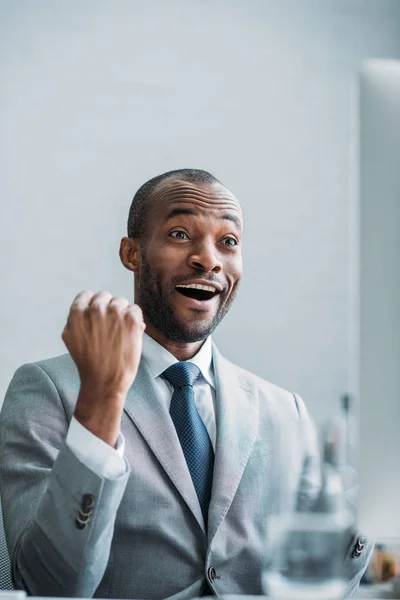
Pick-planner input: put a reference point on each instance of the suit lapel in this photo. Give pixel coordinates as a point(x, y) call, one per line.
point(237, 413)
point(156, 426)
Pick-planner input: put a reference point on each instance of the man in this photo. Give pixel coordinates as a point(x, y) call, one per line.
point(143, 464)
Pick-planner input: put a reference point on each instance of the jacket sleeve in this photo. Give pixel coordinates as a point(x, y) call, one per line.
point(58, 514)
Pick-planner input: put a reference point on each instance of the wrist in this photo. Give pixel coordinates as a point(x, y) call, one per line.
point(100, 414)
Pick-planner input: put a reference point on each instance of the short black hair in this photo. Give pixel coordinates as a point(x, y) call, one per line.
point(141, 200)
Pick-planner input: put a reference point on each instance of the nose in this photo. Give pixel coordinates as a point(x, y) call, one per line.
point(205, 258)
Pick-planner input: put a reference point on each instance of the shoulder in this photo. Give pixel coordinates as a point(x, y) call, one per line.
point(50, 371)
point(57, 364)
point(41, 388)
point(227, 369)
point(268, 392)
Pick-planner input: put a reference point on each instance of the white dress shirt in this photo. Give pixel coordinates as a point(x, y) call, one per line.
point(109, 462)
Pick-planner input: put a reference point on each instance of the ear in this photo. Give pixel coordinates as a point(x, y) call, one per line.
point(129, 253)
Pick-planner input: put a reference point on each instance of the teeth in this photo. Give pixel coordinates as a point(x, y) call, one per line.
point(198, 286)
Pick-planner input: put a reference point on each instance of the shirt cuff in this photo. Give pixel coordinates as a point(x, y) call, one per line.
point(95, 454)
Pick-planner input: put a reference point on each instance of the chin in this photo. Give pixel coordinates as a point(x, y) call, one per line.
point(188, 336)
point(186, 333)
point(181, 326)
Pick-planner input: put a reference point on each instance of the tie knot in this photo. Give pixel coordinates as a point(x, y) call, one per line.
point(181, 373)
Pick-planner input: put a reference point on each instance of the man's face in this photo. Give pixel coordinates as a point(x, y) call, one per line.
point(191, 260)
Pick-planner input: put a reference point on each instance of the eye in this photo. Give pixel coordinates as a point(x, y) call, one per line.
point(178, 234)
point(230, 241)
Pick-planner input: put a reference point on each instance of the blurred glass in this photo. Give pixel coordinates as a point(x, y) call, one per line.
point(306, 555)
point(307, 545)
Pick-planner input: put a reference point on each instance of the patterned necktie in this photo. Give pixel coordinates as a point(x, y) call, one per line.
point(192, 433)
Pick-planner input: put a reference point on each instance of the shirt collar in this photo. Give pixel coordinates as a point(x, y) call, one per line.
point(159, 359)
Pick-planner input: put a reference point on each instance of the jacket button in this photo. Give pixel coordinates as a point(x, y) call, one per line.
point(358, 548)
point(82, 517)
point(212, 575)
point(80, 524)
point(87, 501)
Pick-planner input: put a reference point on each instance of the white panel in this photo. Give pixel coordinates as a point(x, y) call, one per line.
point(379, 187)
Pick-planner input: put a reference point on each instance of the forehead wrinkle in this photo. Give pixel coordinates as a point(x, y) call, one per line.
point(193, 192)
point(206, 197)
point(204, 207)
point(203, 204)
point(202, 200)
point(198, 198)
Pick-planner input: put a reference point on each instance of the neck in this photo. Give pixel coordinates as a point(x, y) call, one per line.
point(181, 350)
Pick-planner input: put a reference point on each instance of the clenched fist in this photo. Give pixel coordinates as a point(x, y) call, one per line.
point(104, 337)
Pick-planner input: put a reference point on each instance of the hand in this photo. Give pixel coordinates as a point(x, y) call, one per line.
point(104, 337)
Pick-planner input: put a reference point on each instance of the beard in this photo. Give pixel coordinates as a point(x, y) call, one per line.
point(157, 307)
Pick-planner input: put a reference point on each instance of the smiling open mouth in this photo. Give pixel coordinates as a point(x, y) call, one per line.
point(197, 291)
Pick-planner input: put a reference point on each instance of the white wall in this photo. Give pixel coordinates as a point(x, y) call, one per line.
point(96, 97)
point(379, 298)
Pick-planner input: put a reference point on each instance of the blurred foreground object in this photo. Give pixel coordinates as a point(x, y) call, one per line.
point(384, 564)
point(309, 544)
point(348, 424)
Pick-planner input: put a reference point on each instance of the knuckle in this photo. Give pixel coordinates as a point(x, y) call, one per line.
point(131, 314)
point(99, 302)
point(114, 308)
point(95, 308)
point(75, 308)
point(83, 294)
point(118, 300)
point(134, 314)
point(81, 301)
point(100, 296)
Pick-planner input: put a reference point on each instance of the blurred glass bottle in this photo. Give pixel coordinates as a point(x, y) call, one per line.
point(348, 424)
point(308, 545)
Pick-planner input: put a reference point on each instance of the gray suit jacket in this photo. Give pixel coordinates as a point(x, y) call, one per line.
point(145, 536)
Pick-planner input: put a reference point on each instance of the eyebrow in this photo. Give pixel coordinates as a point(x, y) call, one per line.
point(190, 211)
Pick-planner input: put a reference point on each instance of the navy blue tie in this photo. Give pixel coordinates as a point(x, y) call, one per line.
point(192, 433)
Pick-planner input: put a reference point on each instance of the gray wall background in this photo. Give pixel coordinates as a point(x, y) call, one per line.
point(97, 97)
